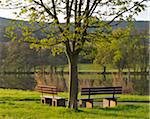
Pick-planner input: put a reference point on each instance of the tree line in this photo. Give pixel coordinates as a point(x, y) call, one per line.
point(122, 48)
point(18, 57)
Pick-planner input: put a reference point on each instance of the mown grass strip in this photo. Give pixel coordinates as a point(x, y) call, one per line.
point(22, 95)
point(36, 110)
point(12, 108)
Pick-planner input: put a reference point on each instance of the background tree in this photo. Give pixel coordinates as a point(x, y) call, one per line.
point(78, 16)
point(88, 53)
point(3, 55)
point(112, 48)
point(142, 47)
point(124, 48)
point(120, 47)
point(16, 57)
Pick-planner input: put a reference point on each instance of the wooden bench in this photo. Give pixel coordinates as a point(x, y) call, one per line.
point(52, 99)
point(108, 101)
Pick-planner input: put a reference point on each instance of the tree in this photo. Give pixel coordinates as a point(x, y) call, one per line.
point(113, 47)
point(3, 55)
point(88, 53)
point(17, 57)
point(120, 42)
point(140, 49)
point(124, 48)
point(79, 16)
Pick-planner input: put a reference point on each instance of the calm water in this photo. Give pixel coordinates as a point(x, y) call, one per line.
point(131, 85)
point(25, 82)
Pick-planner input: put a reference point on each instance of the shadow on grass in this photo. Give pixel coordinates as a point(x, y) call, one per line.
point(122, 108)
point(126, 111)
point(118, 108)
point(2, 102)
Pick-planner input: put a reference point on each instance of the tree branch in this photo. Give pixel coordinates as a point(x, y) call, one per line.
point(46, 9)
point(70, 8)
point(90, 8)
point(45, 44)
point(16, 7)
point(119, 14)
point(68, 13)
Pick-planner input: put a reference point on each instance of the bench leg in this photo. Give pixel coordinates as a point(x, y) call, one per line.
point(89, 104)
point(109, 103)
point(58, 102)
point(46, 101)
point(54, 102)
point(86, 103)
point(43, 100)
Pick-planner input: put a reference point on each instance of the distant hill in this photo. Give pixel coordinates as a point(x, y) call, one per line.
point(6, 22)
point(139, 25)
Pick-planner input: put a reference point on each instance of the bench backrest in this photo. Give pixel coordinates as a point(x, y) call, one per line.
point(47, 89)
point(101, 90)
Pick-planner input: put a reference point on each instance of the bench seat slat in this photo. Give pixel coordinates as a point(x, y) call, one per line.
point(47, 89)
point(101, 90)
point(46, 86)
point(49, 92)
point(113, 91)
point(96, 93)
point(54, 97)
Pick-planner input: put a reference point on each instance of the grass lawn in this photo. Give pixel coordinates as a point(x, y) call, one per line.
point(20, 95)
point(17, 104)
point(87, 68)
point(35, 110)
point(93, 68)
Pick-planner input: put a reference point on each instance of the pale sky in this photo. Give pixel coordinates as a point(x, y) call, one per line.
point(143, 16)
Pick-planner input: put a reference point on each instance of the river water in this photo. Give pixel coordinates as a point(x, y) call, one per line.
point(137, 84)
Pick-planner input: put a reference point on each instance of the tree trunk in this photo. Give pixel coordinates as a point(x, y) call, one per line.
point(63, 79)
point(73, 82)
point(129, 76)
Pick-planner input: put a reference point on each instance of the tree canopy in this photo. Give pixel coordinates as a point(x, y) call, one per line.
point(124, 48)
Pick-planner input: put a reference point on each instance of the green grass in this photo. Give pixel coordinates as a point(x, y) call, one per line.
point(17, 104)
point(87, 68)
point(90, 67)
point(93, 68)
point(87, 76)
point(134, 98)
point(35, 110)
point(20, 95)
